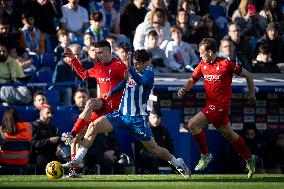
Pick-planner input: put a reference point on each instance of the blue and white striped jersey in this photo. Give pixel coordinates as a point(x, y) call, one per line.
point(136, 93)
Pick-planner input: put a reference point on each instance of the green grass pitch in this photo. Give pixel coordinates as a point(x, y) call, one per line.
point(174, 181)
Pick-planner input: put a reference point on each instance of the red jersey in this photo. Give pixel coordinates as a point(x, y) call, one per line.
point(107, 76)
point(217, 81)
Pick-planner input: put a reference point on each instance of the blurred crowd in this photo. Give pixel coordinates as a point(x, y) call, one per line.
point(34, 33)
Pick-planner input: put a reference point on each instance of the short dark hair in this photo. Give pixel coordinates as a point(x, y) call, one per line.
point(123, 45)
point(264, 49)
point(96, 16)
point(209, 44)
point(152, 33)
point(61, 31)
point(157, 112)
point(102, 43)
point(141, 55)
point(38, 93)
point(81, 90)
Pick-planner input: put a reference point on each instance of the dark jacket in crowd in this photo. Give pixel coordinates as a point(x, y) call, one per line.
point(276, 48)
point(43, 151)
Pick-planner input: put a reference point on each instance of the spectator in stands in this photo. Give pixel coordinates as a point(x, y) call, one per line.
point(157, 22)
point(180, 55)
point(11, 13)
point(275, 162)
point(263, 62)
point(31, 38)
point(158, 56)
point(160, 4)
point(63, 41)
point(10, 40)
point(45, 139)
point(147, 161)
point(241, 42)
point(227, 50)
point(209, 29)
point(13, 128)
point(80, 98)
point(110, 17)
point(131, 16)
point(10, 72)
point(252, 140)
point(192, 7)
point(25, 61)
point(114, 45)
point(88, 39)
point(99, 31)
point(75, 20)
point(46, 14)
point(124, 53)
point(251, 23)
point(272, 12)
point(274, 41)
point(39, 99)
point(189, 33)
point(64, 72)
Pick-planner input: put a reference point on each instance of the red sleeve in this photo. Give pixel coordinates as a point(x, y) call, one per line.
point(234, 68)
point(81, 72)
point(197, 73)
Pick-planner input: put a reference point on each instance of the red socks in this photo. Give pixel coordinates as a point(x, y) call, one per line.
point(241, 147)
point(79, 125)
point(200, 138)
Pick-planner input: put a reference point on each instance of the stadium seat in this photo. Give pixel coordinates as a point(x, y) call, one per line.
point(48, 60)
point(52, 97)
point(44, 76)
point(216, 11)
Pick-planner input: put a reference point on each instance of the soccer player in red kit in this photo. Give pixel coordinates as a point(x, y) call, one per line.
point(108, 72)
point(217, 73)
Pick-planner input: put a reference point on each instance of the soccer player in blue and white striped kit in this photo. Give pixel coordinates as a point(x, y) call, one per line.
point(131, 115)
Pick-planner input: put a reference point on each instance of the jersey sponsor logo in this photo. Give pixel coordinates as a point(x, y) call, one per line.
point(104, 79)
point(212, 77)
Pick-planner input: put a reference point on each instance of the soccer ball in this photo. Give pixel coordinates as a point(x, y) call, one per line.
point(54, 170)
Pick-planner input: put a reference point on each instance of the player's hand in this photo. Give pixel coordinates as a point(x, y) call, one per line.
point(68, 53)
point(251, 99)
point(54, 140)
point(181, 91)
point(110, 155)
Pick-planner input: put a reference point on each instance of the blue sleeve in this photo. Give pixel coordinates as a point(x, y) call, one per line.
point(120, 86)
point(146, 79)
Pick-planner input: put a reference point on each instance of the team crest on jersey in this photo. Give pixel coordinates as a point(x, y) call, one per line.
point(109, 71)
point(204, 67)
point(131, 83)
point(218, 68)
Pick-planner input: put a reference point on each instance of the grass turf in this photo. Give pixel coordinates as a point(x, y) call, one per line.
point(267, 181)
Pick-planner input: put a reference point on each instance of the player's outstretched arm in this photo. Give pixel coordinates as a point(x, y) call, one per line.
point(187, 86)
point(120, 86)
point(250, 84)
point(81, 72)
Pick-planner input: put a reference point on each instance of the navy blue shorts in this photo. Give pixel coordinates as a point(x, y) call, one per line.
point(136, 125)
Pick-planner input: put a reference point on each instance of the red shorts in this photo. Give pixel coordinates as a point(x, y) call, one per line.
point(108, 106)
point(215, 115)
